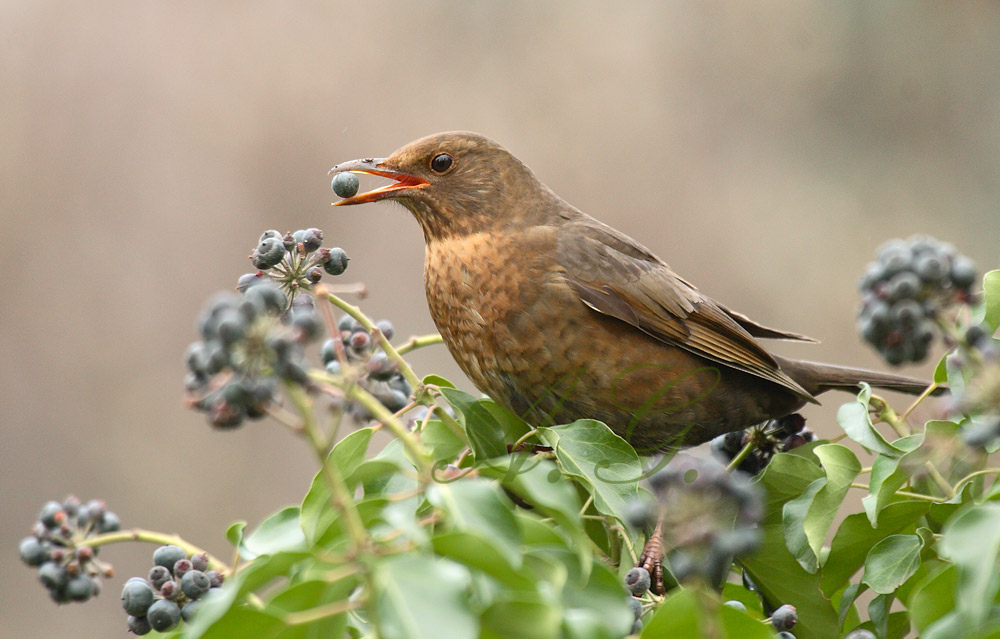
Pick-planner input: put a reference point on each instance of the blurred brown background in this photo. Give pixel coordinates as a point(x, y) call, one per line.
point(763, 152)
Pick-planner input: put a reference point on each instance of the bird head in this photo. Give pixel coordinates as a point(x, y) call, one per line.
point(454, 184)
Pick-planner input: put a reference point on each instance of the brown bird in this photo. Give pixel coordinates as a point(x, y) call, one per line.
point(558, 316)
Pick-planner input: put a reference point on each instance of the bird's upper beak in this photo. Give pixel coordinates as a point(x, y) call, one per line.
point(378, 166)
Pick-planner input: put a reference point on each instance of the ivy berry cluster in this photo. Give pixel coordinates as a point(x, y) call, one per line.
point(375, 371)
point(905, 291)
point(171, 592)
point(68, 567)
point(253, 340)
point(709, 516)
point(776, 436)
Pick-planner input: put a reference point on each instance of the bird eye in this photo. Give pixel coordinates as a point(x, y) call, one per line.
point(441, 163)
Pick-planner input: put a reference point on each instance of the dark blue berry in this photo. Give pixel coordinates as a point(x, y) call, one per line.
point(52, 575)
point(137, 597)
point(164, 615)
point(785, 617)
point(345, 184)
point(194, 583)
point(189, 610)
point(268, 253)
point(52, 514)
point(963, 272)
point(158, 576)
point(80, 588)
point(167, 556)
point(387, 329)
point(139, 625)
point(638, 580)
point(110, 523)
point(33, 551)
point(380, 367)
point(337, 263)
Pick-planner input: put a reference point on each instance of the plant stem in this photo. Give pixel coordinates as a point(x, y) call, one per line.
point(886, 414)
point(523, 438)
point(382, 414)
point(153, 537)
point(340, 497)
point(369, 326)
point(939, 479)
point(924, 395)
point(740, 456)
point(979, 473)
point(321, 612)
point(903, 493)
point(414, 343)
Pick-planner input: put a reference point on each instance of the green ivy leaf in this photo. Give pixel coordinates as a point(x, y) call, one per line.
point(280, 532)
point(888, 475)
point(540, 483)
point(242, 622)
point(526, 615)
point(778, 575)
point(854, 418)
point(972, 541)
point(305, 595)
point(933, 598)
point(846, 603)
point(602, 461)
point(477, 505)
point(235, 533)
point(682, 615)
point(808, 518)
point(991, 299)
point(477, 551)
point(677, 616)
point(437, 380)
point(856, 536)
point(443, 444)
point(601, 599)
point(513, 426)
point(316, 513)
point(381, 475)
point(220, 611)
point(486, 435)
point(891, 562)
point(419, 597)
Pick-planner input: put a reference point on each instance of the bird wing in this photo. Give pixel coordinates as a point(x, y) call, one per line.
point(764, 332)
point(615, 276)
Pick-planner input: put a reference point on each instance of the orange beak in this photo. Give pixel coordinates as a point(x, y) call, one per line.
point(376, 166)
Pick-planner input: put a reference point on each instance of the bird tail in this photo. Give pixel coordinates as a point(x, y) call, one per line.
point(818, 378)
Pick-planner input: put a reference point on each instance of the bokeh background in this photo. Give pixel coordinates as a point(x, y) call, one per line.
point(763, 151)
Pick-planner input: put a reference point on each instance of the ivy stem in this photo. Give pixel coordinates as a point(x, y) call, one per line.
point(886, 414)
point(340, 497)
point(321, 612)
point(939, 479)
point(382, 414)
point(414, 343)
point(154, 537)
point(369, 326)
point(740, 456)
point(979, 473)
point(523, 438)
point(924, 395)
point(903, 493)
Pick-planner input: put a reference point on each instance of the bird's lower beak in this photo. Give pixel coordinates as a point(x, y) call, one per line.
point(377, 166)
